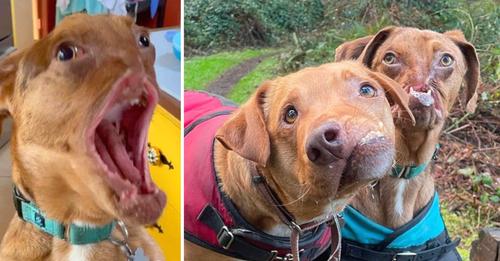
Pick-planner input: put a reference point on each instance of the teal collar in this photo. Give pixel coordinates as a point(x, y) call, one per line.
point(409, 172)
point(74, 234)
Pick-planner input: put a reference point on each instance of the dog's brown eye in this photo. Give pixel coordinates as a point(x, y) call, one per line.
point(389, 58)
point(367, 91)
point(66, 52)
point(446, 60)
point(291, 115)
point(144, 41)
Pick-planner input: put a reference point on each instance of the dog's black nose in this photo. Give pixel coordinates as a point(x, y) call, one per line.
point(326, 144)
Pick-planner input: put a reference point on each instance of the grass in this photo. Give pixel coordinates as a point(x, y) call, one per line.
point(208, 68)
point(246, 86)
point(464, 225)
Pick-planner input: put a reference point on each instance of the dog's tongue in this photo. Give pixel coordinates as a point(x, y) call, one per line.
point(114, 153)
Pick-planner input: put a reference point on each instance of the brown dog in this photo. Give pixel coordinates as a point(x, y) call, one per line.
point(81, 100)
point(316, 136)
point(431, 67)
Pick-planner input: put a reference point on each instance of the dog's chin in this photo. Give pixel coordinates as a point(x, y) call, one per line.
point(117, 141)
point(370, 160)
point(427, 116)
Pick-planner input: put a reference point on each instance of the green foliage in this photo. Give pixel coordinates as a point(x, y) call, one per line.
point(202, 70)
point(350, 19)
point(464, 225)
point(219, 24)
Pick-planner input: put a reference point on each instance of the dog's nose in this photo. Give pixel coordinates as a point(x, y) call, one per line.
point(326, 144)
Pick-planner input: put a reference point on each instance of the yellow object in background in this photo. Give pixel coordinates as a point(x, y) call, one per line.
point(164, 156)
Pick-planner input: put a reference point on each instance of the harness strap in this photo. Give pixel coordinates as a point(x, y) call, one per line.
point(231, 241)
point(288, 219)
point(359, 252)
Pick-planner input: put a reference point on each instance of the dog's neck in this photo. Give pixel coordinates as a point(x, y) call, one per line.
point(395, 201)
point(233, 173)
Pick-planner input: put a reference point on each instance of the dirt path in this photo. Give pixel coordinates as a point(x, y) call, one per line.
point(223, 85)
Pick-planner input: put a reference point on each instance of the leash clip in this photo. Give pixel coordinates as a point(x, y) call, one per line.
point(404, 254)
point(225, 238)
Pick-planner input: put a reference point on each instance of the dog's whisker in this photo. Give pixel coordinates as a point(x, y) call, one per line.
point(297, 199)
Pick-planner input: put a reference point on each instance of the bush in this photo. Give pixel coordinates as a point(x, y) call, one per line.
point(349, 19)
point(217, 24)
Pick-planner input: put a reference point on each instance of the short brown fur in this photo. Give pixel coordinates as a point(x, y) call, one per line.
point(50, 102)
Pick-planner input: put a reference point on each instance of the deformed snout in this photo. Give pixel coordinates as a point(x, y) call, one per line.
point(327, 143)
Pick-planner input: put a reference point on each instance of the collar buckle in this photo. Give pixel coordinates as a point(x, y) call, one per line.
point(406, 256)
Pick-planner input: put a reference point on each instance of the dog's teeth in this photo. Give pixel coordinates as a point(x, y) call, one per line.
point(135, 101)
point(115, 114)
point(429, 92)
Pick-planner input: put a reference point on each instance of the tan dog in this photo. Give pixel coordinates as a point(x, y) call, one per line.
point(81, 100)
point(431, 67)
point(316, 136)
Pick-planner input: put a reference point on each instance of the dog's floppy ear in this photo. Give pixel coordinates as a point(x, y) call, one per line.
point(371, 48)
point(394, 92)
point(351, 50)
point(245, 132)
point(8, 71)
point(472, 76)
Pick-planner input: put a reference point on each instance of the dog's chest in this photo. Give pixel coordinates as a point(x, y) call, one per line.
point(80, 253)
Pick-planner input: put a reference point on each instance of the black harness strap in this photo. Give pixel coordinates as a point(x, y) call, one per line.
point(362, 253)
point(232, 241)
point(203, 119)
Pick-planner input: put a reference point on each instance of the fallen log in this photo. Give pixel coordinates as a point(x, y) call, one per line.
point(487, 247)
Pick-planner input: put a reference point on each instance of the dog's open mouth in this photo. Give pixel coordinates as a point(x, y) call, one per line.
point(119, 137)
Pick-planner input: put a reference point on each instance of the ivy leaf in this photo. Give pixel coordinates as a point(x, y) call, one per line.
point(466, 171)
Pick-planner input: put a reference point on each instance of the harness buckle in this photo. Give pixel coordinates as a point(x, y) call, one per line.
point(407, 255)
point(287, 257)
point(225, 238)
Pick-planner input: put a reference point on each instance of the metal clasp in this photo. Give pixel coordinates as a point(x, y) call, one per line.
point(296, 227)
point(287, 257)
point(404, 254)
point(123, 244)
point(225, 237)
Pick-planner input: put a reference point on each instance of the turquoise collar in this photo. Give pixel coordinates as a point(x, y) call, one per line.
point(74, 234)
point(409, 172)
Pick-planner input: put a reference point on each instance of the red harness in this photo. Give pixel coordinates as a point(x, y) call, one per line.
point(210, 218)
